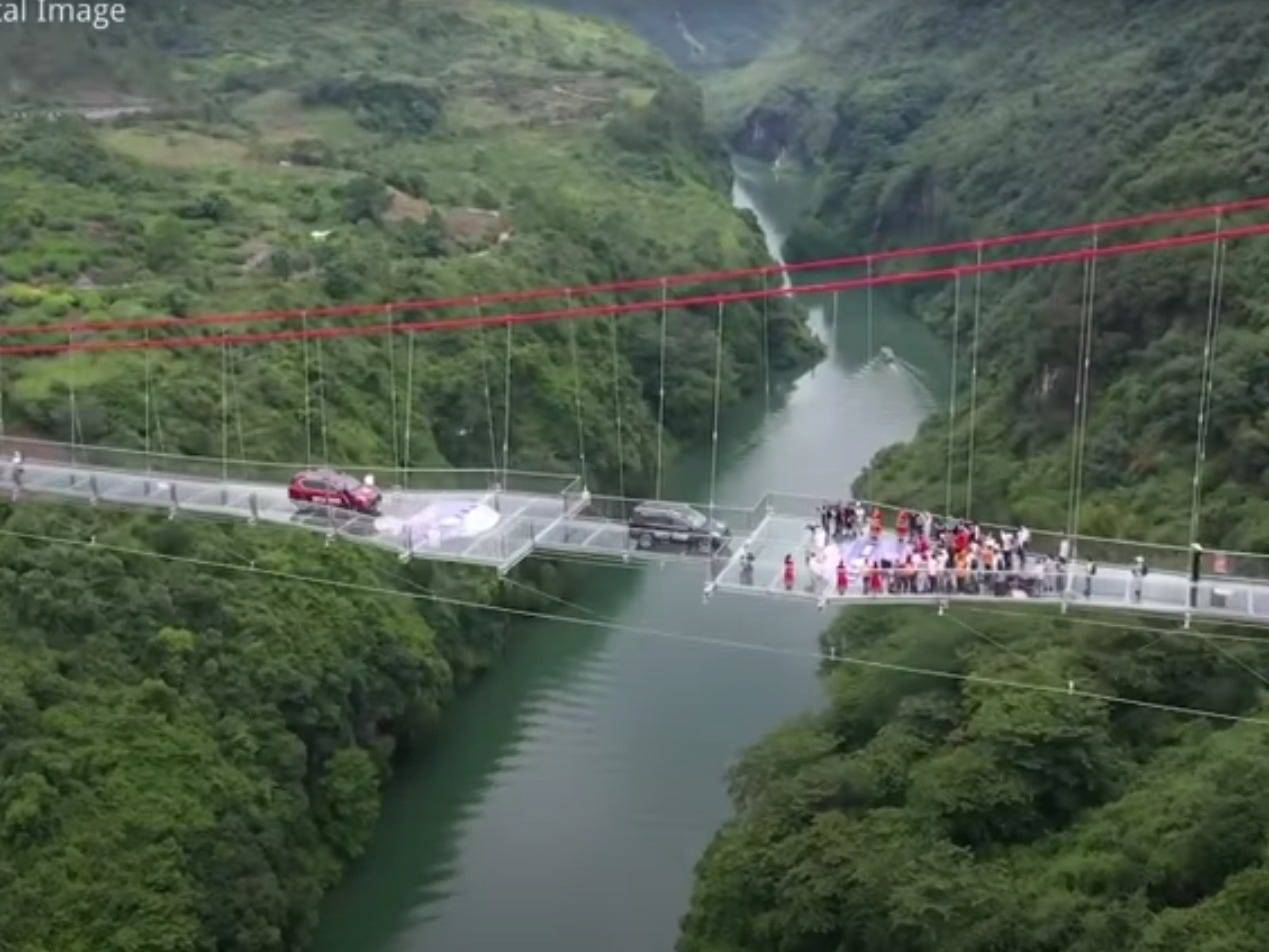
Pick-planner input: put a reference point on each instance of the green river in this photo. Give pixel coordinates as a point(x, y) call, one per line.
point(570, 792)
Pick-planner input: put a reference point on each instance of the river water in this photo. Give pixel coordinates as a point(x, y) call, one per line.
point(570, 793)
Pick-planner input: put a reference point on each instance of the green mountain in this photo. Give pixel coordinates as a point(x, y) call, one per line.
point(925, 813)
point(701, 37)
point(950, 120)
point(188, 756)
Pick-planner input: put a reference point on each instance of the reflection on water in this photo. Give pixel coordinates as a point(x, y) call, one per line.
point(569, 794)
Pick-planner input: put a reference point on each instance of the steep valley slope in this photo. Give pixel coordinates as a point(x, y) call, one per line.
point(188, 757)
point(950, 812)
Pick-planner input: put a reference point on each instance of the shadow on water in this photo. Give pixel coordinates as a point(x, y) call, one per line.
point(567, 797)
point(436, 794)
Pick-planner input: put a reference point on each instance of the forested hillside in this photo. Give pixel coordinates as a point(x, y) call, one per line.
point(189, 756)
point(951, 120)
point(701, 37)
point(922, 813)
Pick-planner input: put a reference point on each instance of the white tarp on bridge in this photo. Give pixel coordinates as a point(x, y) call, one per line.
point(441, 520)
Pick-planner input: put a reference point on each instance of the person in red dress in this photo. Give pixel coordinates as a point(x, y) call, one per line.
point(789, 573)
point(843, 579)
point(874, 578)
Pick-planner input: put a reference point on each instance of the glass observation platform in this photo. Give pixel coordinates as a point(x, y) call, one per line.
point(498, 519)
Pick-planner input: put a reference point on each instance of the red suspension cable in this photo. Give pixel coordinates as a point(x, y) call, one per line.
point(734, 297)
point(702, 278)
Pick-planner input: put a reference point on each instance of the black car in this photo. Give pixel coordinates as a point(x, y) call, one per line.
point(674, 524)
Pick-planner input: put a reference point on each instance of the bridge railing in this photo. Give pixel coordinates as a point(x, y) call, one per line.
point(215, 469)
point(795, 511)
point(740, 520)
point(1160, 593)
point(527, 483)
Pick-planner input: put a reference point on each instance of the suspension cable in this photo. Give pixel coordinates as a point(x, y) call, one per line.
point(224, 408)
point(733, 297)
point(1230, 656)
point(616, 397)
point(506, 418)
point(1076, 402)
point(718, 389)
point(870, 341)
point(391, 344)
point(146, 364)
point(661, 391)
point(74, 411)
point(1211, 375)
point(1086, 619)
point(951, 393)
point(409, 406)
point(321, 400)
point(766, 339)
point(1211, 639)
point(600, 624)
point(973, 388)
point(1214, 301)
point(1084, 398)
point(308, 385)
point(868, 469)
point(577, 394)
point(1206, 639)
point(158, 420)
point(234, 357)
point(484, 369)
point(994, 642)
point(832, 334)
point(696, 279)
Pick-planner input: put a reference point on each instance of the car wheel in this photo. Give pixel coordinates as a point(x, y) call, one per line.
point(645, 540)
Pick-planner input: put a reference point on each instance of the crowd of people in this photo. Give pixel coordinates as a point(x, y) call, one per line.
point(850, 550)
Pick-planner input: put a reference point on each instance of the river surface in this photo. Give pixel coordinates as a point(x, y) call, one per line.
point(570, 792)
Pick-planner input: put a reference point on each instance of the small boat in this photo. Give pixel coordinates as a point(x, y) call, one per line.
point(887, 355)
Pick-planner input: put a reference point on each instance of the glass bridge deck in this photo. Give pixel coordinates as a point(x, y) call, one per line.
point(1103, 584)
point(428, 515)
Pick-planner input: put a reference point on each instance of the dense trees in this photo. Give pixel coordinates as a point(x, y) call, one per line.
point(393, 107)
point(189, 757)
point(925, 814)
point(189, 754)
point(1022, 121)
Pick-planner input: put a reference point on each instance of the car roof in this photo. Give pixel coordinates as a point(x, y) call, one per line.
point(652, 506)
point(323, 474)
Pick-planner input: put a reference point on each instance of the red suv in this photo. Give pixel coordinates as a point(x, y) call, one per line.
point(325, 487)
